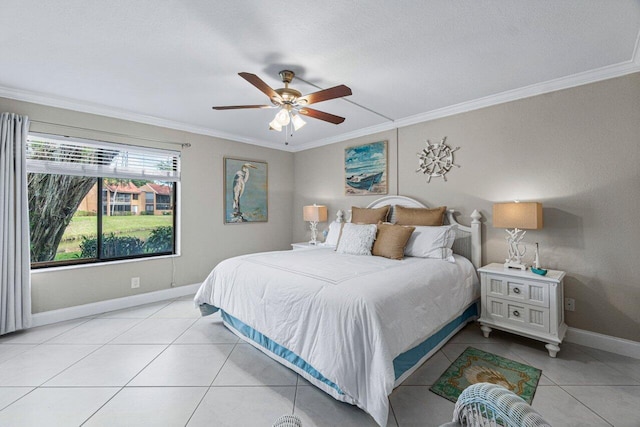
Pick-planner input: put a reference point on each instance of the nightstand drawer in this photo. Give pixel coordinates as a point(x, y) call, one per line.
point(524, 315)
point(516, 289)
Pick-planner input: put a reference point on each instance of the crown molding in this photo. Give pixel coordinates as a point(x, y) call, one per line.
point(579, 79)
point(587, 77)
point(561, 83)
point(344, 136)
point(116, 113)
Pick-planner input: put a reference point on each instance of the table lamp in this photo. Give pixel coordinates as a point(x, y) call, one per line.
point(517, 216)
point(314, 214)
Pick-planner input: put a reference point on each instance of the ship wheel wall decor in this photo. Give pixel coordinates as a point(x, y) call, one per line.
point(436, 159)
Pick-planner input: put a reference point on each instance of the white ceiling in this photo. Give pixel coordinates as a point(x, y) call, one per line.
point(167, 62)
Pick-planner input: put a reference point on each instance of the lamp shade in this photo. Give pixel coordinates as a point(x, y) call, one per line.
point(527, 215)
point(315, 213)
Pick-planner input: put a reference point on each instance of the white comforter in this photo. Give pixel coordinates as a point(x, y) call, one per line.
point(347, 316)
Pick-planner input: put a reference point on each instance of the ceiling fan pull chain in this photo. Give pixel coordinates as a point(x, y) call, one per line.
point(286, 134)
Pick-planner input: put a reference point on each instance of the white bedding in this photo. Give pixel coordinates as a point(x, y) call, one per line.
point(348, 316)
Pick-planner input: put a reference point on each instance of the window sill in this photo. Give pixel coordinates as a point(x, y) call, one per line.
point(100, 264)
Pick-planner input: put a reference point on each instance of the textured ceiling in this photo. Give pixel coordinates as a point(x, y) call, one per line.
point(168, 62)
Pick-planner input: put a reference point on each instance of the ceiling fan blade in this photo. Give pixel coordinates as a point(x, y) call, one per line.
point(321, 115)
point(237, 107)
point(324, 95)
point(265, 88)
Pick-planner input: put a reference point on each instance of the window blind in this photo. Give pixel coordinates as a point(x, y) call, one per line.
point(56, 154)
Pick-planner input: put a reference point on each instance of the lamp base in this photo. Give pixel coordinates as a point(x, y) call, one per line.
point(516, 251)
point(314, 232)
point(512, 264)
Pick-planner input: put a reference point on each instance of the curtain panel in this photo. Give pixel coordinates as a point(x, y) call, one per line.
point(15, 280)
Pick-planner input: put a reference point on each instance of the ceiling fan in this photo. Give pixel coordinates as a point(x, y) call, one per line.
point(291, 102)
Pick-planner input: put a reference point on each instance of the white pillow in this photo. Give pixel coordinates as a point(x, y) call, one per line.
point(334, 234)
point(432, 242)
point(357, 239)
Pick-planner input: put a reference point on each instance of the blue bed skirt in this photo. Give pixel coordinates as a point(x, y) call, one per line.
point(405, 363)
point(276, 349)
point(410, 358)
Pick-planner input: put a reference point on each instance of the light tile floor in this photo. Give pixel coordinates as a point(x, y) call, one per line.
point(162, 365)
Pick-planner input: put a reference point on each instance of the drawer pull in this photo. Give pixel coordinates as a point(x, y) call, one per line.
point(516, 313)
point(516, 290)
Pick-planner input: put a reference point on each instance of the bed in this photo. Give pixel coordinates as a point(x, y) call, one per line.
point(353, 326)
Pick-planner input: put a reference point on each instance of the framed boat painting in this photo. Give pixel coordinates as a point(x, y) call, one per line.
point(365, 169)
point(245, 191)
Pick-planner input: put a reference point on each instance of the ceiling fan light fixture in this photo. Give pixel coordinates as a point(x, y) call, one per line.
point(297, 121)
point(283, 117)
point(290, 102)
point(274, 125)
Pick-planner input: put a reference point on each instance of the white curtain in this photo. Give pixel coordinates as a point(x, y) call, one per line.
point(15, 280)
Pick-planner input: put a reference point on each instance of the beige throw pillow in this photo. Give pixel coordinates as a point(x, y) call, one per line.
point(420, 216)
point(369, 215)
point(391, 240)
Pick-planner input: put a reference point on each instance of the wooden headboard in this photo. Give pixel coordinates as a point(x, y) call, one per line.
point(468, 238)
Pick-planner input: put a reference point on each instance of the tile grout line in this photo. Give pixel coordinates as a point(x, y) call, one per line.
point(100, 346)
point(210, 384)
point(19, 398)
point(197, 406)
point(600, 359)
point(123, 387)
point(37, 344)
point(118, 389)
point(561, 386)
point(102, 406)
point(224, 363)
point(393, 413)
point(295, 394)
point(520, 354)
point(585, 405)
point(159, 354)
point(48, 342)
point(167, 303)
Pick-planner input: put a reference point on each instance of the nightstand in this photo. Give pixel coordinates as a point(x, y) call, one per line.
point(523, 303)
point(307, 245)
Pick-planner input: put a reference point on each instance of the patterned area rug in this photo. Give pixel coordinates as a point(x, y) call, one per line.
point(477, 366)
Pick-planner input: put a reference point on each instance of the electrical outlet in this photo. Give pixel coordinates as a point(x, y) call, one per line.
point(570, 304)
point(135, 282)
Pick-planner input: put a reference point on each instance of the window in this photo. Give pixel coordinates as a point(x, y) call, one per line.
point(163, 202)
point(149, 198)
point(85, 202)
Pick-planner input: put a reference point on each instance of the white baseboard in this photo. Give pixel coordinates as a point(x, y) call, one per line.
point(60, 315)
point(603, 342)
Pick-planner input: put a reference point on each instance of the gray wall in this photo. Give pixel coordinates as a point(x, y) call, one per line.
point(204, 239)
point(577, 151)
